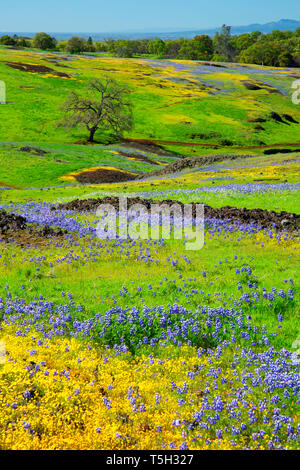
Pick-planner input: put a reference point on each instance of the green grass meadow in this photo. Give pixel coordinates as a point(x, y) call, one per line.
point(248, 274)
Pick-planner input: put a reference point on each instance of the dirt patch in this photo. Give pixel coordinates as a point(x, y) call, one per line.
point(107, 70)
point(276, 117)
point(289, 118)
point(266, 219)
point(7, 186)
point(205, 145)
point(274, 151)
point(139, 157)
point(35, 150)
point(171, 104)
point(213, 64)
point(257, 85)
point(35, 68)
point(149, 146)
point(257, 120)
point(252, 86)
point(210, 135)
point(57, 64)
point(267, 180)
point(14, 228)
point(57, 160)
point(104, 176)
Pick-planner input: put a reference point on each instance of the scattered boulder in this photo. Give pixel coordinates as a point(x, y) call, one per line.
point(11, 222)
point(14, 228)
point(192, 162)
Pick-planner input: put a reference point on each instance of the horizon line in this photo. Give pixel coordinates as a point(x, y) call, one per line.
point(149, 31)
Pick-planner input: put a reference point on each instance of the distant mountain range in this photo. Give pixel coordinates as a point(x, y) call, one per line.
point(281, 25)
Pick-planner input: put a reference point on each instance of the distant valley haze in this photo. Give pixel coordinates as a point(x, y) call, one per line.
point(168, 33)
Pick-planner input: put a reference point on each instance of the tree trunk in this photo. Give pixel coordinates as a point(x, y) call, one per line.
point(92, 133)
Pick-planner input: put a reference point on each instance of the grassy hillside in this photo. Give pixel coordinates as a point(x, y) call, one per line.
point(128, 344)
point(174, 101)
point(24, 165)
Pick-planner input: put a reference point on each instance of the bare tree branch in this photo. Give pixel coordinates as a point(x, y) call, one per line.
point(105, 106)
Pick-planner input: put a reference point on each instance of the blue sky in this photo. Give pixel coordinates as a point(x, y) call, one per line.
point(138, 15)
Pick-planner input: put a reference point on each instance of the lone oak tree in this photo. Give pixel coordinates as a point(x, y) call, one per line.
point(105, 105)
